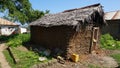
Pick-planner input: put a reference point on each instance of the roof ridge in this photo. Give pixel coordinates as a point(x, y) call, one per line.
point(82, 7)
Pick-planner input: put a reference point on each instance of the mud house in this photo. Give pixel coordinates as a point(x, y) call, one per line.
point(73, 31)
point(7, 27)
point(113, 24)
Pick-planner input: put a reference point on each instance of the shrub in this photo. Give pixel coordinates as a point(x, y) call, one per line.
point(18, 40)
point(6, 38)
point(108, 42)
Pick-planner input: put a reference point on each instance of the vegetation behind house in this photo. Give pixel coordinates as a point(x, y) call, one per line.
point(108, 42)
point(18, 40)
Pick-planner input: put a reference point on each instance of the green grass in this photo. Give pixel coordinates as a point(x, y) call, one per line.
point(25, 58)
point(8, 57)
point(116, 57)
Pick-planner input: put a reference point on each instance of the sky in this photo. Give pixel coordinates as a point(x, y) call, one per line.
point(56, 6)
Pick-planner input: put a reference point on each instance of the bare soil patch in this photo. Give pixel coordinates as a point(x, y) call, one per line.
point(99, 60)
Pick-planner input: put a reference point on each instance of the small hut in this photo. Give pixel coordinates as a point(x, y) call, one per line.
point(73, 31)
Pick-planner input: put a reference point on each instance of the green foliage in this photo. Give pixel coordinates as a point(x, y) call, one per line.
point(3, 38)
point(6, 38)
point(108, 42)
point(18, 40)
point(20, 10)
point(118, 43)
point(25, 58)
point(8, 57)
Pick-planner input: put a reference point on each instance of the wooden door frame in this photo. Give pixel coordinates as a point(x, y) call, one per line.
point(94, 40)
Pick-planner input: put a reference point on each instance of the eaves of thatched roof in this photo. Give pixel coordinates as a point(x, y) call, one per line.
point(7, 23)
point(89, 14)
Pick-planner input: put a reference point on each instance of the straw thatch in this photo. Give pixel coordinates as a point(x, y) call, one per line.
point(7, 23)
point(89, 14)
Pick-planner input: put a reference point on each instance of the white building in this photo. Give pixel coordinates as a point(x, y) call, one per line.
point(7, 27)
point(23, 30)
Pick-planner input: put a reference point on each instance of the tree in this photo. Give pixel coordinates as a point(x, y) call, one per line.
point(20, 10)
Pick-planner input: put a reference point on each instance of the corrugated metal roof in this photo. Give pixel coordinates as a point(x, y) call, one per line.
point(112, 15)
point(6, 22)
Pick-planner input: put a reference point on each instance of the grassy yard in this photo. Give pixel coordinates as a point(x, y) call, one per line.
point(25, 59)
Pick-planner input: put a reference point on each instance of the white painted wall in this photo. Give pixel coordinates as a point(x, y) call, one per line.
point(23, 30)
point(7, 30)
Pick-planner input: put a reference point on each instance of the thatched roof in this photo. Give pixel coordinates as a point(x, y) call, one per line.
point(88, 14)
point(6, 22)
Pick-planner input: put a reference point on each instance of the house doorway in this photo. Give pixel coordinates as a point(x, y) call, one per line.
point(94, 39)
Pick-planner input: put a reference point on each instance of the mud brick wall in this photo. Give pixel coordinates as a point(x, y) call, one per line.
point(79, 43)
point(52, 37)
point(64, 37)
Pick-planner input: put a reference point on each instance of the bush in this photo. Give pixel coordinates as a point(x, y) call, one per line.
point(108, 42)
point(18, 40)
point(6, 38)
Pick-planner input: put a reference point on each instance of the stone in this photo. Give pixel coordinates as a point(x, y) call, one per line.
point(42, 58)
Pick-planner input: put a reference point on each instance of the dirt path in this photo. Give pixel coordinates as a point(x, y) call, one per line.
point(4, 63)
